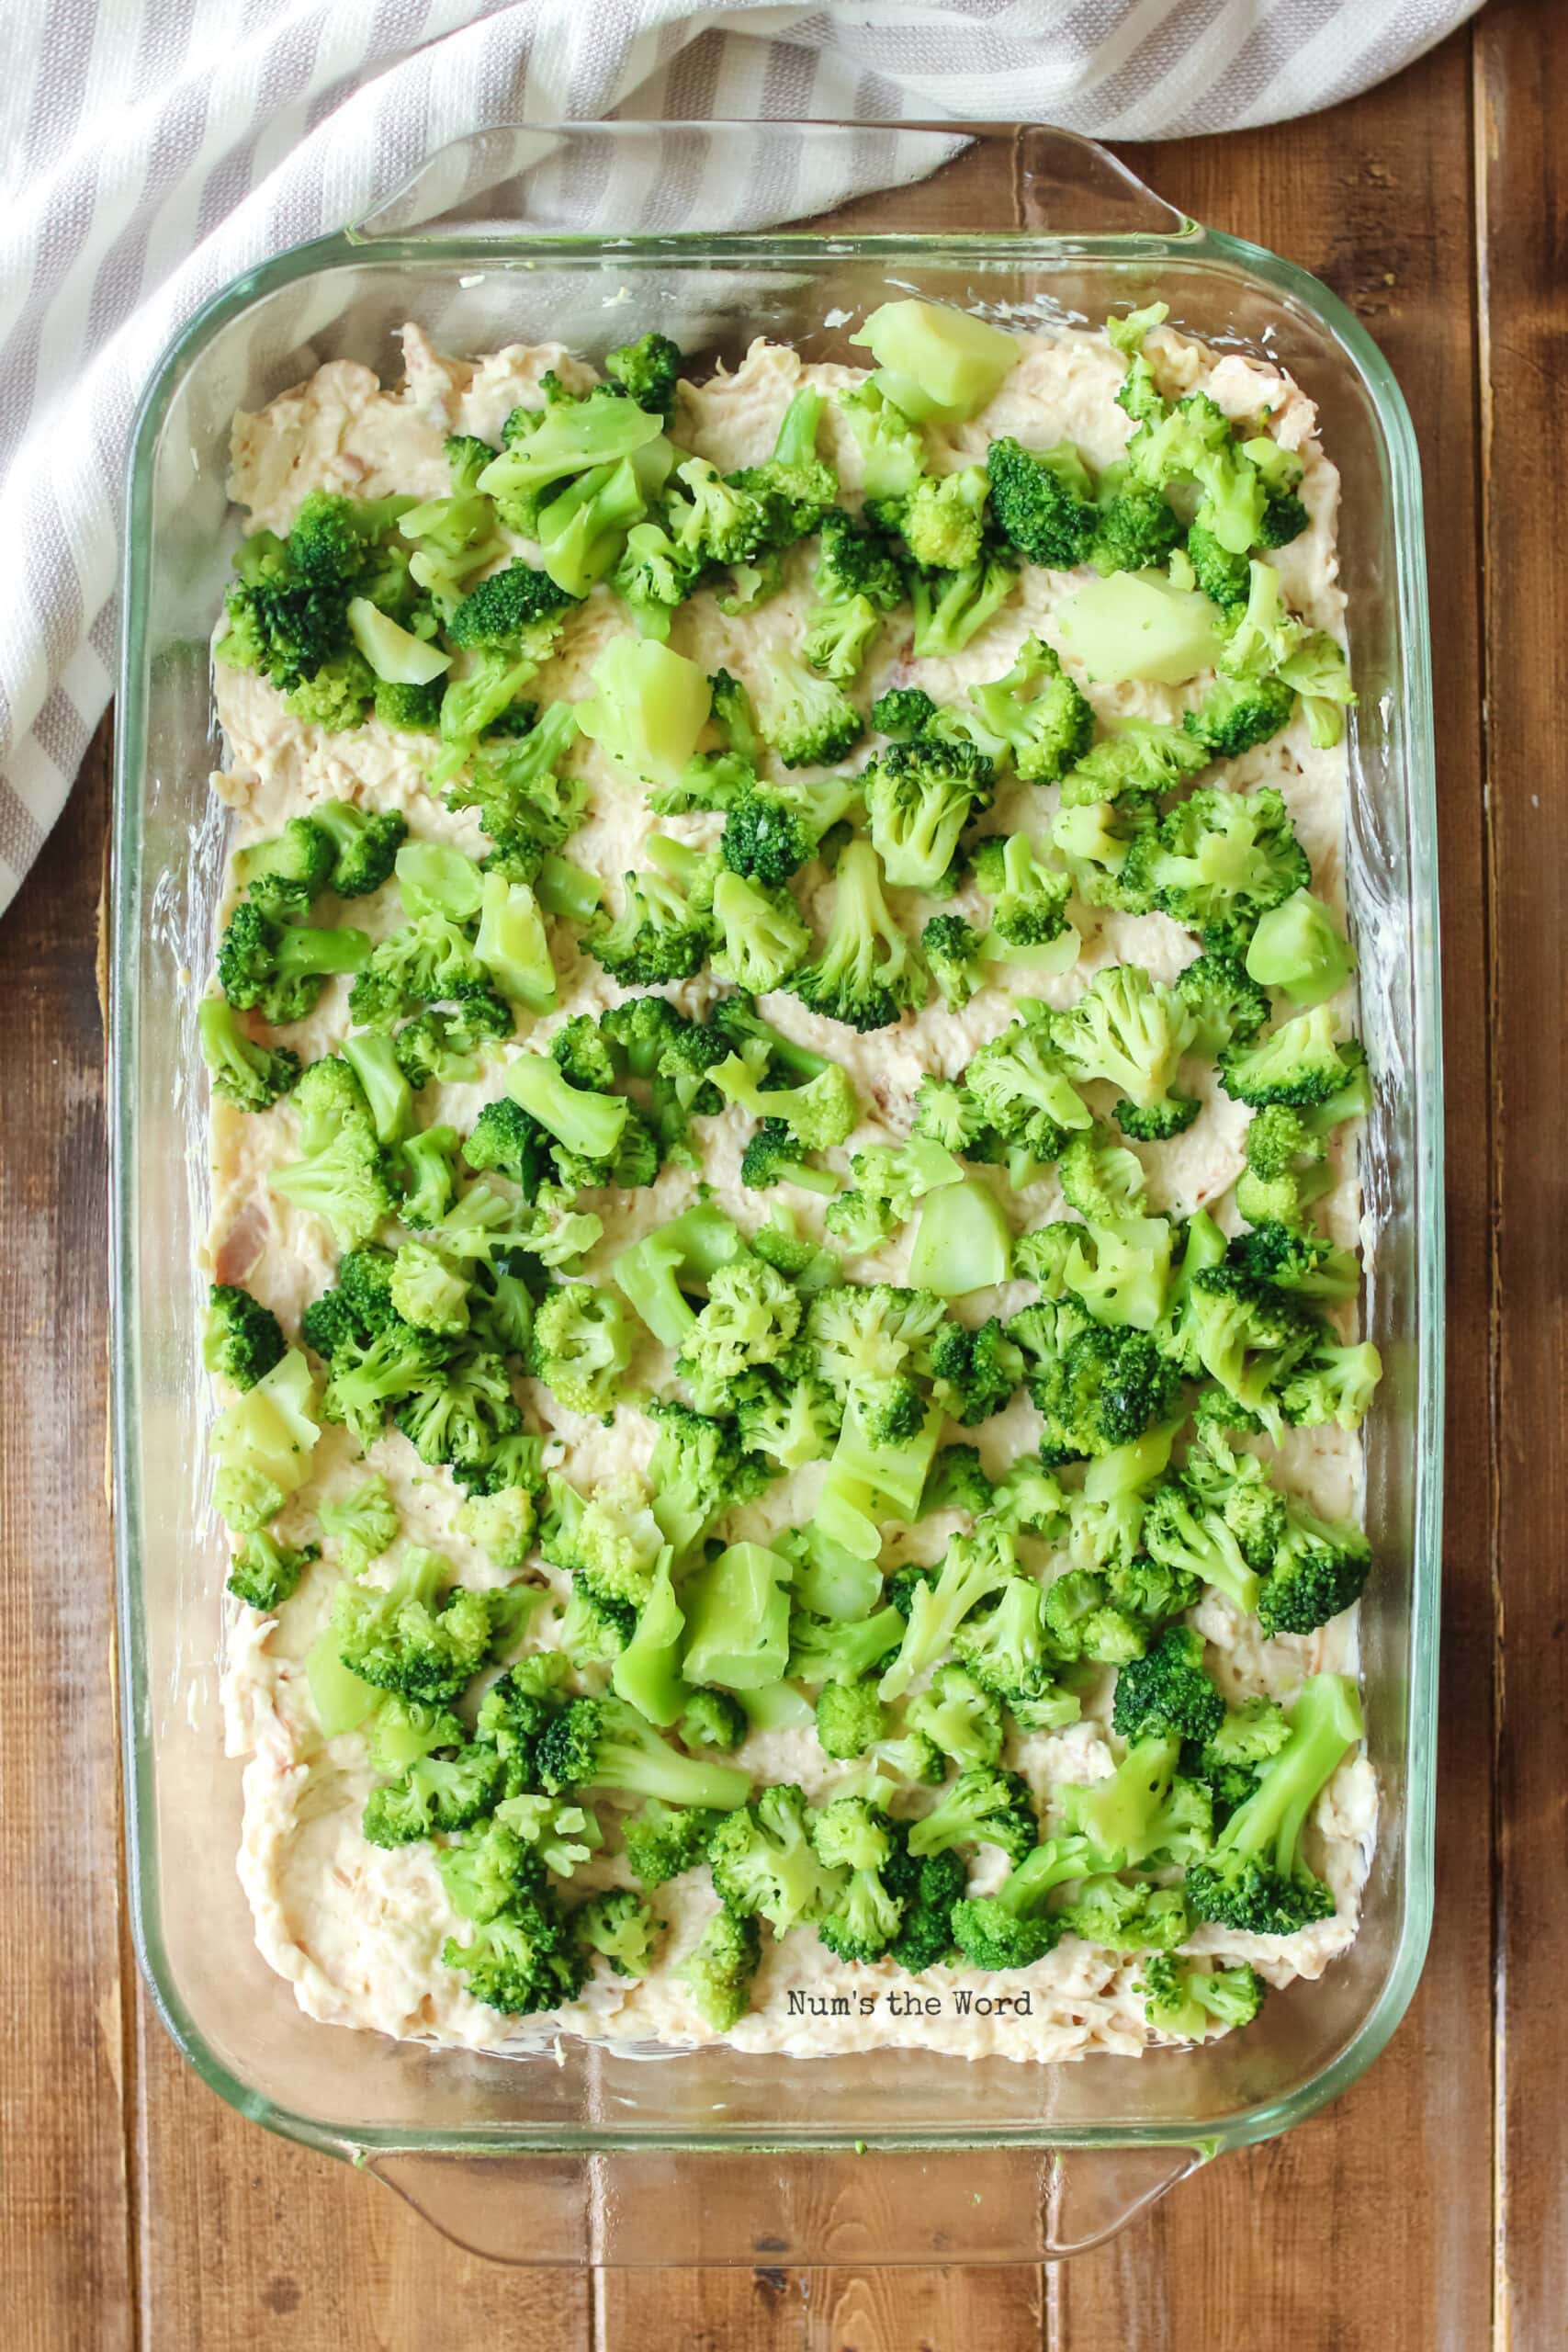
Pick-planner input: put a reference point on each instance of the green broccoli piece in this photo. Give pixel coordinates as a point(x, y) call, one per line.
point(581, 1346)
point(861, 1917)
point(718, 1972)
point(1043, 502)
point(646, 371)
point(1184, 1999)
point(522, 1960)
point(437, 1794)
point(764, 1864)
point(1035, 715)
point(250, 1076)
point(697, 1471)
point(1255, 1878)
point(951, 607)
point(865, 973)
point(807, 719)
point(411, 1636)
point(1167, 1690)
point(1219, 861)
point(919, 797)
point(264, 1572)
point(794, 486)
point(661, 1841)
point(850, 1717)
point(943, 518)
point(242, 1338)
point(605, 1743)
point(985, 1806)
point(1297, 1063)
point(621, 1927)
point(1237, 714)
point(903, 712)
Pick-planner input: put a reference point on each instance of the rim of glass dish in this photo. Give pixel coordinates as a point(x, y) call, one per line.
point(1186, 242)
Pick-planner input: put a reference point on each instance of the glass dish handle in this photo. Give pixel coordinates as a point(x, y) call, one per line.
point(649, 179)
point(738, 2207)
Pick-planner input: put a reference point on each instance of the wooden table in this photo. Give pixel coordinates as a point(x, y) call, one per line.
point(1431, 2203)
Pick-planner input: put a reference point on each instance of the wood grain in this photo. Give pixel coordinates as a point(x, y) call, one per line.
point(1521, 84)
point(140, 2215)
point(65, 2235)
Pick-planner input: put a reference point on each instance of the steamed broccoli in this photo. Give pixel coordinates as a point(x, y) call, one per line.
point(1167, 1690)
point(581, 1346)
point(413, 1636)
point(919, 797)
point(718, 1972)
point(661, 1841)
point(1043, 501)
point(264, 1572)
point(865, 973)
point(1257, 1879)
point(863, 1914)
point(242, 1338)
point(764, 1863)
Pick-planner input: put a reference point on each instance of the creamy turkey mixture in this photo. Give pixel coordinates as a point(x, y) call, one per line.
point(359, 1929)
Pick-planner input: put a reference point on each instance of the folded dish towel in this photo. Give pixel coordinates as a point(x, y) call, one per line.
point(153, 153)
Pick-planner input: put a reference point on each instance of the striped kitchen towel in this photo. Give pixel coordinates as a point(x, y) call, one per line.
point(154, 149)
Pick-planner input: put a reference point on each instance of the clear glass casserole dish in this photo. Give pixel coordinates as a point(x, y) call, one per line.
point(583, 2155)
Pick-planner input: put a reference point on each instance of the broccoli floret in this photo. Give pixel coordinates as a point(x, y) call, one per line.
point(522, 1960)
point(1143, 1811)
point(819, 1113)
point(646, 371)
point(242, 1338)
point(718, 1973)
point(697, 1471)
point(903, 712)
point(749, 1319)
point(1117, 1917)
point(1019, 1093)
point(952, 951)
point(1125, 1029)
point(1134, 527)
point(1043, 501)
point(1031, 895)
point(1331, 1384)
point(345, 1183)
point(1035, 714)
point(666, 927)
point(976, 1372)
point(1012, 1928)
point(1167, 1690)
point(661, 1841)
point(892, 448)
point(865, 974)
point(863, 1913)
point(943, 518)
point(1298, 1063)
point(605, 1743)
point(249, 1076)
point(1184, 1999)
point(1226, 1008)
point(855, 561)
point(437, 1794)
point(621, 1927)
point(919, 797)
point(1225, 578)
point(985, 1806)
point(365, 844)
point(761, 937)
point(1320, 1568)
point(609, 1539)
point(581, 1346)
point(835, 1650)
point(964, 1720)
point(413, 1638)
point(951, 607)
point(794, 486)
point(458, 1415)
point(1236, 714)
point(1257, 1880)
point(973, 1568)
point(363, 1523)
point(807, 719)
point(264, 1572)
point(1219, 861)
point(763, 1862)
point(713, 1719)
point(593, 1631)
point(1302, 1262)
point(279, 969)
point(1098, 1386)
point(850, 1717)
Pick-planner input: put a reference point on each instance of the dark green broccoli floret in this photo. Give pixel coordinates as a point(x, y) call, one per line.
point(646, 371)
point(985, 1806)
point(951, 607)
point(365, 844)
point(794, 486)
point(1321, 1568)
point(662, 1840)
point(1168, 1689)
point(1225, 578)
point(1012, 1928)
point(903, 712)
point(1134, 527)
point(264, 1572)
point(279, 969)
point(1180, 1997)
point(952, 951)
point(1257, 1880)
point(522, 1960)
point(665, 929)
point(581, 1053)
point(1226, 1008)
point(1043, 501)
point(1238, 713)
point(605, 1743)
point(242, 1339)
point(718, 1973)
point(929, 1890)
point(977, 1371)
point(699, 1470)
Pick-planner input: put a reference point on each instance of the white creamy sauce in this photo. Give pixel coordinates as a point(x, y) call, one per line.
point(357, 1930)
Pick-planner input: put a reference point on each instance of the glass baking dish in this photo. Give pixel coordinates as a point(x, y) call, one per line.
point(579, 2154)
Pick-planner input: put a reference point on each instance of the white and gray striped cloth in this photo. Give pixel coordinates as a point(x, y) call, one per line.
point(154, 149)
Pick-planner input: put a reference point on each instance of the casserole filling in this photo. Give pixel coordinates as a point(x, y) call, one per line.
point(786, 1219)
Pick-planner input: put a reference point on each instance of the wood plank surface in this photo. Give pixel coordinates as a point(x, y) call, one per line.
point(138, 2214)
point(1521, 87)
point(65, 2199)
